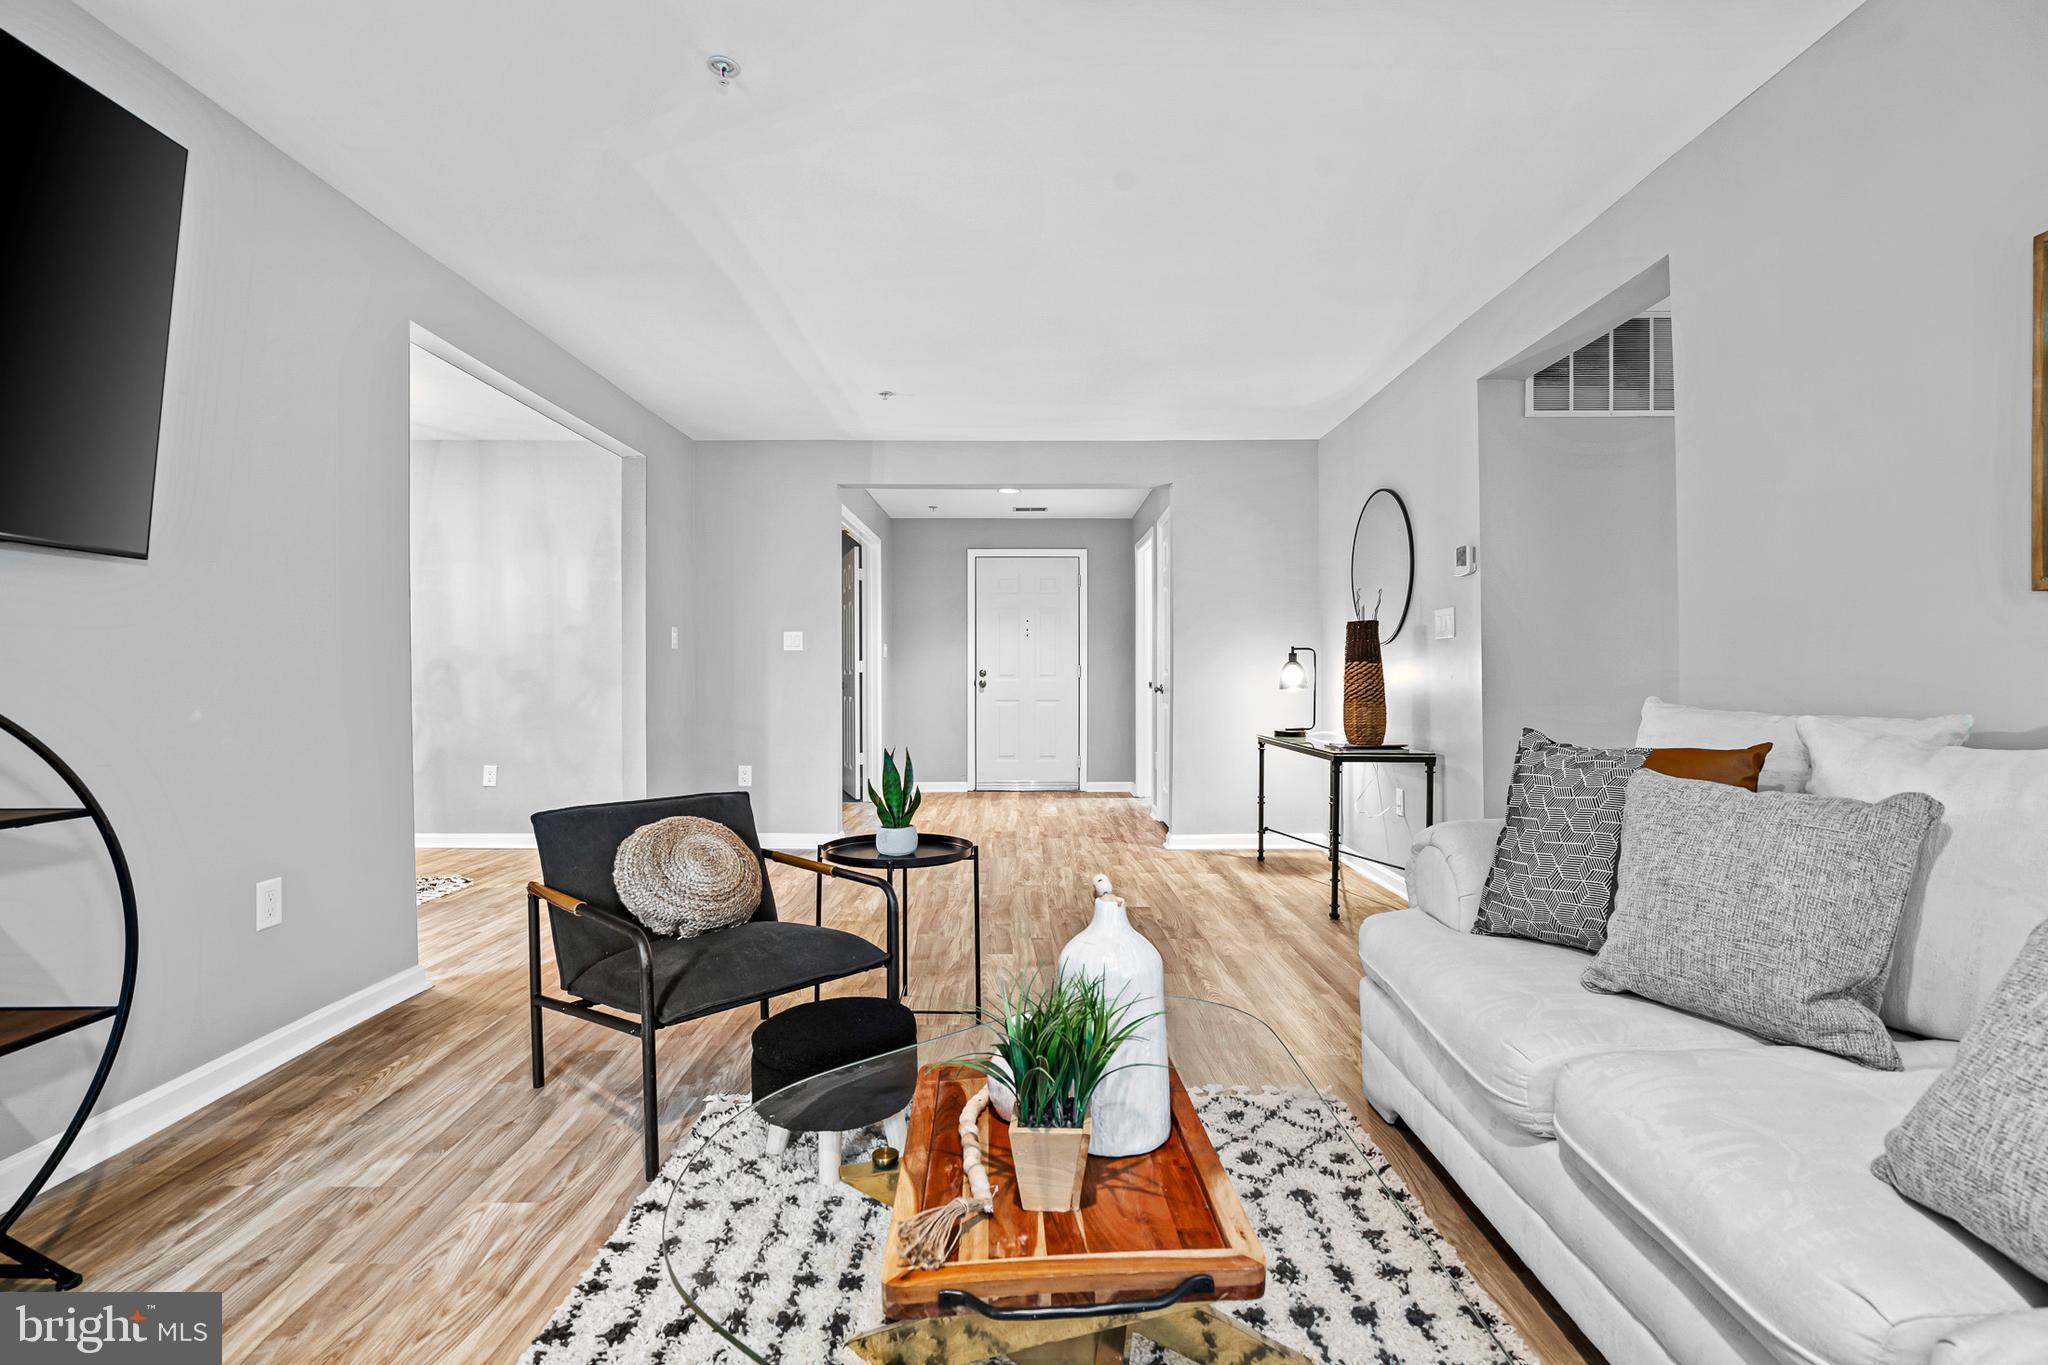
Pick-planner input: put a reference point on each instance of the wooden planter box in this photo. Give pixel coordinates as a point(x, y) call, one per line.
point(1141, 1226)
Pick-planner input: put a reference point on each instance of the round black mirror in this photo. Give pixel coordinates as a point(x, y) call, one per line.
point(1383, 562)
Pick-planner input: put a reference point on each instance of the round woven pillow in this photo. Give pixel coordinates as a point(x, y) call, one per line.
point(684, 876)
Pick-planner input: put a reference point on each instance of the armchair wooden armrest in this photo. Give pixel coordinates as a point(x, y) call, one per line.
point(890, 910)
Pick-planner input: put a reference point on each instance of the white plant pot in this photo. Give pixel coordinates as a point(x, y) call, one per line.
point(1002, 1099)
point(896, 843)
point(1133, 1110)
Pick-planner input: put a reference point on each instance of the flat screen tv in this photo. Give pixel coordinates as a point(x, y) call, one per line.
point(88, 254)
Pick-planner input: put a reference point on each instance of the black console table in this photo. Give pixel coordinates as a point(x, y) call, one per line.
point(26, 1025)
point(1337, 758)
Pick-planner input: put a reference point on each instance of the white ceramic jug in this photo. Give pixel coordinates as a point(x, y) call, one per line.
point(1133, 1110)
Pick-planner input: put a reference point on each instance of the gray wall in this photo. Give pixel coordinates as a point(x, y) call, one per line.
point(517, 631)
point(240, 700)
point(764, 521)
point(928, 637)
point(1851, 274)
point(1579, 517)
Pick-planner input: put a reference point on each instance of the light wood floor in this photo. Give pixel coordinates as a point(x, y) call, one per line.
point(402, 1193)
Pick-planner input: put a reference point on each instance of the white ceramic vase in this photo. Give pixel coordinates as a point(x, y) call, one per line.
point(1133, 1110)
point(896, 843)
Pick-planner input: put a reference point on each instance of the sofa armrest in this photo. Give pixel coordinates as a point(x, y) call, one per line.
point(1447, 869)
point(2000, 1339)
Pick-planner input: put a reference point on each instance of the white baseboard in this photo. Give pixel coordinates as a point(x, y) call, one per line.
point(473, 840)
point(1391, 878)
point(1110, 788)
point(113, 1131)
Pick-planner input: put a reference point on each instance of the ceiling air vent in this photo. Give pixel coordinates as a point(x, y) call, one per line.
point(1626, 373)
point(1027, 509)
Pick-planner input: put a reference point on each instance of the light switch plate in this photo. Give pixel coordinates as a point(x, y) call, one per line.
point(675, 637)
point(1446, 623)
point(490, 774)
point(792, 640)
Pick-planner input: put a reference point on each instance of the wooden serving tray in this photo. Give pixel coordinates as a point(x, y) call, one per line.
point(1145, 1224)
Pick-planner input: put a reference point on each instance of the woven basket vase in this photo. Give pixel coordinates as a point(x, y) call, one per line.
point(1365, 684)
point(685, 876)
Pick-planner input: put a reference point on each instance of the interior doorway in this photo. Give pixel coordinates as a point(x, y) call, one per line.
point(1160, 615)
point(862, 655)
point(1144, 578)
point(852, 669)
point(528, 607)
point(1027, 643)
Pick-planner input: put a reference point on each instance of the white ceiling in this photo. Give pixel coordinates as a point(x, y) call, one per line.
point(1060, 504)
point(451, 405)
point(1044, 220)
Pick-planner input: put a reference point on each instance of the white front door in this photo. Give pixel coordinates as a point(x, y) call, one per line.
point(1027, 672)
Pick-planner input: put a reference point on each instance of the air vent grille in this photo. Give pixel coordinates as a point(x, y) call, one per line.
point(1027, 509)
point(1626, 373)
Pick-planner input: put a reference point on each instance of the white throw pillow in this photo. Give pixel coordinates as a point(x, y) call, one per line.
point(1667, 725)
point(1983, 882)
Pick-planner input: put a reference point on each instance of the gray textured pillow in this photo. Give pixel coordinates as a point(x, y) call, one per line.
point(1771, 911)
point(1975, 1147)
point(1552, 877)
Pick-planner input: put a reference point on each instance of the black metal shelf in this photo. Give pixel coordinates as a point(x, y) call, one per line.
point(21, 817)
point(24, 1026)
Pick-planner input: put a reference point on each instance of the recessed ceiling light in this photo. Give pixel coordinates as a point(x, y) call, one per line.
point(1007, 492)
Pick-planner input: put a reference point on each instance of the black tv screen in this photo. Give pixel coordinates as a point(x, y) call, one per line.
point(88, 253)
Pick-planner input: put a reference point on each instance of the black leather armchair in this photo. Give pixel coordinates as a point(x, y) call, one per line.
point(636, 982)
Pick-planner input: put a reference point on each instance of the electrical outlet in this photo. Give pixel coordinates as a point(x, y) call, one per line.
point(675, 637)
point(1400, 801)
point(270, 903)
point(746, 774)
point(792, 640)
point(490, 774)
point(1446, 623)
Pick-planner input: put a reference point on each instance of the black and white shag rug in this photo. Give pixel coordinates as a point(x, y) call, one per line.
point(433, 888)
point(1355, 1272)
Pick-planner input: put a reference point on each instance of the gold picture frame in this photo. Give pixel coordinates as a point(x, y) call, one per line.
point(2040, 565)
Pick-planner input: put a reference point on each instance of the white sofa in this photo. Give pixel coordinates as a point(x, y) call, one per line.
point(1686, 1191)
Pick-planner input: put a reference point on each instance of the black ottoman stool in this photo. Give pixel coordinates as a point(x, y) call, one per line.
point(806, 1041)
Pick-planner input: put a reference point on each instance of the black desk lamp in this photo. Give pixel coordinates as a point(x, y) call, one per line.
point(1294, 678)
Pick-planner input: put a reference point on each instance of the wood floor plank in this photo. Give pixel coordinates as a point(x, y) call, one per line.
point(402, 1192)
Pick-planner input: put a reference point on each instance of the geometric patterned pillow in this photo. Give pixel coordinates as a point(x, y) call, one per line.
point(1552, 877)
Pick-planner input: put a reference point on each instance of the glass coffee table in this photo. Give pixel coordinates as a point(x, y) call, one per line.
point(1268, 1228)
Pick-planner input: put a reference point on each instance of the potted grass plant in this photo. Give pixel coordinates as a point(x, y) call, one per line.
point(896, 807)
point(1056, 1043)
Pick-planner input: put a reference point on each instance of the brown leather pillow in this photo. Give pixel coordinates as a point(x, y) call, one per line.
point(1732, 767)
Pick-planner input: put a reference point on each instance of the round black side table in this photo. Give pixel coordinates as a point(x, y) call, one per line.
point(933, 850)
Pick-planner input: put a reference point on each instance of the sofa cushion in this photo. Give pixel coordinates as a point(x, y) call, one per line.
point(1553, 874)
point(1753, 1168)
point(1667, 724)
point(1976, 1145)
point(1772, 911)
point(1510, 1013)
point(1983, 884)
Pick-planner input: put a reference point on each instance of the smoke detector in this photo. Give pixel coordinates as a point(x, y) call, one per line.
point(725, 68)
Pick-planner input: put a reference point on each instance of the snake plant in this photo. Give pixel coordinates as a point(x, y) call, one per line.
point(897, 802)
point(1055, 1045)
